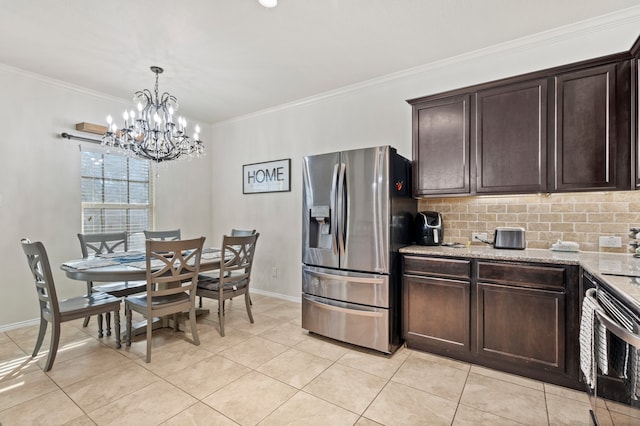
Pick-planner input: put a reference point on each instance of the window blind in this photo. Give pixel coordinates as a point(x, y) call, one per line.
point(116, 195)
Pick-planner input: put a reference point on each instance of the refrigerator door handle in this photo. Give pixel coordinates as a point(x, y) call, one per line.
point(342, 210)
point(332, 207)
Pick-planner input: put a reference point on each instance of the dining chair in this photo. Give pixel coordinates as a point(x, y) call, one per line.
point(108, 242)
point(56, 311)
point(234, 233)
point(235, 274)
point(171, 235)
point(172, 277)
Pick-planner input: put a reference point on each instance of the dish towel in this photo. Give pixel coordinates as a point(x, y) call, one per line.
point(588, 347)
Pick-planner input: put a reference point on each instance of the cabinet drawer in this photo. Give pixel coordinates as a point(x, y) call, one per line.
point(435, 266)
point(533, 276)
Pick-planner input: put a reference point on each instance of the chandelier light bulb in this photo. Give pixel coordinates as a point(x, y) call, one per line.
point(109, 120)
point(125, 115)
point(132, 115)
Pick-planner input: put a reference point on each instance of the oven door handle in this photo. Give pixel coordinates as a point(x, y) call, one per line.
point(615, 328)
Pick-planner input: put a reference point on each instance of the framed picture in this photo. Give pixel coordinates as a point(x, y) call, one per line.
point(271, 176)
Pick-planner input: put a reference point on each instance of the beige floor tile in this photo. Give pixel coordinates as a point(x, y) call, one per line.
point(250, 399)
point(199, 414)
point(435, 378)
point(81, 421)
point(346, 387)
point(254, 352)
point(4, 338)
point(325, 348)
point(577, 395)
point(305, 409)
point(439, 360)
point(467, 416)
point(289, 334)
point(284, 312)
point(150, 405)
point(295, 368)
point(363, 421)
point(9, 351)
point(375, 363)
point(94, 392)
point(214, 343)
point(261, 323)
point(24, 387)
point(519, 403)
point(402, 405)
point(627, 410)
point(86, 366)
point(620, 419)
point(53, 408)
point(166, 360)
point(566, 411)
point(511, 378)
point(204, 377)
point(70, 350)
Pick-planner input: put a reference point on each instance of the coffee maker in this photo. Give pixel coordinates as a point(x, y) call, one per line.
point(429, 228)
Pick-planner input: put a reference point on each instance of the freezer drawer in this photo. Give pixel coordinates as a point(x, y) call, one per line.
point(353, 287)
point(360, 325)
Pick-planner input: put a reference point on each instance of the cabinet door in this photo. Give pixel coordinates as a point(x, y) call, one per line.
point(521, 325)
point(436, 313)
point(585, 135)
point(441, 146)
point(511, 138)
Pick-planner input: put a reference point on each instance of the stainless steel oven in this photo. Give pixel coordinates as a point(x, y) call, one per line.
point(614, 382)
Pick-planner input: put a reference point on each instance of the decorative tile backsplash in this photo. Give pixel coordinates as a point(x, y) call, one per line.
point(579, 217)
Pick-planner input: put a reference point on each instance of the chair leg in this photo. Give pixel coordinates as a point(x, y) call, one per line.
point(221, 316)
point(116, 324)
point(108, 316)
point(200, 302)
point(53, 348)
point(89, 290)
point(127, 313)
point(100, 333)
point(247, 302)
point(194, 330)
point(41, 333)
point(149, 331)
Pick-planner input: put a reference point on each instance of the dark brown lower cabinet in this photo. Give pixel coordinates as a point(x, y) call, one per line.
point(438, 313)
point(518, 317)
point(521, 325)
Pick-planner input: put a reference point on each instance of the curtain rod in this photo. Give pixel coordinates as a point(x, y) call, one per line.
point(80, 138)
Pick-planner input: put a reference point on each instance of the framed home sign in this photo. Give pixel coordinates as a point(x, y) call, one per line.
point(271, 176)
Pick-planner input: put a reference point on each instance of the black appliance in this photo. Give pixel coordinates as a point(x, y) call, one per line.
point(429, 228)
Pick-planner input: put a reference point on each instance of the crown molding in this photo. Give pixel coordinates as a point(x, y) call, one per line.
point(573, 31)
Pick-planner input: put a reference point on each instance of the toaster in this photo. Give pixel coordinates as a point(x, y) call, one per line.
point(509, 238)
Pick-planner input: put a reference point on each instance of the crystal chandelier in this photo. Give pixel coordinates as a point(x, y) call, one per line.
point(153, 134)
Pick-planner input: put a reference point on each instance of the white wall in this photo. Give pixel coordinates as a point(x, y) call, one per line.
point(40, 184)
point(369, 114)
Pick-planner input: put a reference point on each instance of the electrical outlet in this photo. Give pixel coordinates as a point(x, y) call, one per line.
point(274, 272)
point(610, 242)
point(479, 236)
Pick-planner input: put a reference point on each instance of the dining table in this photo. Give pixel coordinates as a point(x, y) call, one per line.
point(130, 266)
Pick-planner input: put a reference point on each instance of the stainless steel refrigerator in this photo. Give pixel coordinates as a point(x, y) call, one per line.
point(357, 212)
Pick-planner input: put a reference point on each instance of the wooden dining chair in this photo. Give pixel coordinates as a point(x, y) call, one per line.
point(56, 311)
point(172, 277)
point(171, 235)
point(108, 242)
point(235, 274)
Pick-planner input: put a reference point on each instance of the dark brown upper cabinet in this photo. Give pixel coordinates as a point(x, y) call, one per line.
point(635, 108)
point(511, 138)
point(441, 146)
point(590, 145)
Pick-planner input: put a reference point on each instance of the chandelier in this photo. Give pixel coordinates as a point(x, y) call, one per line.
point(153, 134)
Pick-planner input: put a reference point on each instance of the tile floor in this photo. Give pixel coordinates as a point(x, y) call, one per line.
point(268, 373)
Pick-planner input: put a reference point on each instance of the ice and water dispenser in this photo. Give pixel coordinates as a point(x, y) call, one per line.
point(320, 227)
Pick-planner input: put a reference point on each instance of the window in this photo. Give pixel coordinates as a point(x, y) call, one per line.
point(116, 195)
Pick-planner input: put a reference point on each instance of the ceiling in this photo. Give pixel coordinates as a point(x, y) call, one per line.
point(227, 58)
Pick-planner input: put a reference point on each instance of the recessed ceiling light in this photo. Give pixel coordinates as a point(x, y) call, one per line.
point(268, 3)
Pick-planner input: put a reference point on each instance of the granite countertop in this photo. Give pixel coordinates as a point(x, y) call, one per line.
point(620, 271)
